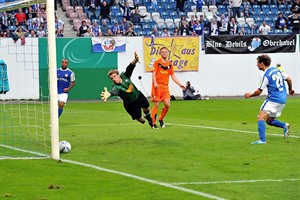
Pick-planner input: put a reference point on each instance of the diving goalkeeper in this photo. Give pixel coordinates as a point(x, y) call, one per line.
point(134, 100)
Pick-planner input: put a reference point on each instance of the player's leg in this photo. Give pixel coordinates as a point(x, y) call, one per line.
point(274, 122)
point(155, 98)
point(134, 110)
point(165, 95)
point(261, 125)
point(62, 100)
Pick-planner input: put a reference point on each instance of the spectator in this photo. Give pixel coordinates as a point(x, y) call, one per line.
point(126, 10)
point(136, 17)
point(246, 12)
point(105, 10)
point(96, 29)
point(191, 23)
point(253, 29)
point(294, 22)
point(264, 29)
point(198, 29)
point(9, 34)
point(43, 14)
point(104, 28)
point(20, 17)
point(38, 20)
point(232, 27)
point(88, 33)
point(109, 33)
point(2, 34)
point(242, 31)
point(118, 33)
point(183, 20)
point(154, 4)
point(188, 92)
point(30, 23)
point(235, 6)
point(41, 32)
point(59, 25)
point(214, 27)
point(184, 29)
point(116, 27)
point(154, 32)
point(32, 34)
point(60, 33)
point(31, 12)
point(176, 32)
point(21, 32)
point(180, 5)
point(165, 33)
point(295, 8)
point(92, 5)
point(199, 4)
point(83, 28)
point(281, 22)
point(130, 32)
point(223, 30)
point(125, 25)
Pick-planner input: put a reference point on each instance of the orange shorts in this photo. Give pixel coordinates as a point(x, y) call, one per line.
point(161, 93)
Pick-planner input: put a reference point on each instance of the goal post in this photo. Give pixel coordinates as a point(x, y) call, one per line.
point(52, 80)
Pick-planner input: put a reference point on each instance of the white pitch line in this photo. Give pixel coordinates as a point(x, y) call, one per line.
point(239, 181)
point(168, 185)
point(121, 173)
point(227, 129)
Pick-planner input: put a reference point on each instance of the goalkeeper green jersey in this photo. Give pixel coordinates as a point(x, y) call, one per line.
point(126, 90)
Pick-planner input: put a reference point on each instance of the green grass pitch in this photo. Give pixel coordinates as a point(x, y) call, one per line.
point(203, 153)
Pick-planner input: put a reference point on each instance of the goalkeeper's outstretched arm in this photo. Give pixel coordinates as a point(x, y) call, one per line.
point(105, 94)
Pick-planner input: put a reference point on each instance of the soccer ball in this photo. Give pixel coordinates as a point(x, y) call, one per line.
point(64, 147)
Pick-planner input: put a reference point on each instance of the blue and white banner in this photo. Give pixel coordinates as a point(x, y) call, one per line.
point(109, 44)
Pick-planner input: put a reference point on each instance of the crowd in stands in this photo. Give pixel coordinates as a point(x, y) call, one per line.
point(94, 18)
point(29, 22)
point(189, 17)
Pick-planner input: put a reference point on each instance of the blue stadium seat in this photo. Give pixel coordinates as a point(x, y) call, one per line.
point(151, 9)
point(222, 9)
point(147, 3)
point(164, 3)
point(151, 22)
point(147, 28)
point(115, 10)
point(282, 8)
point(278, 31)
point(137, 28)
point(141, 33)
point(262, 14)
point(271, 14)
point(256, 8)
point(274, 8)
point(164, 15)
point(160, 9)
point(265, 8)
point(174, 15)
point(288, 31)
point(173, 4)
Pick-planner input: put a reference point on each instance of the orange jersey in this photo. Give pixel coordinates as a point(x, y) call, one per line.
point(162, 71)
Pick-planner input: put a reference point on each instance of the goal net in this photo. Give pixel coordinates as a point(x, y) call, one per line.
point(24, 112)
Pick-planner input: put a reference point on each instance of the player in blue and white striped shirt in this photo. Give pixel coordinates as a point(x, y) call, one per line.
point(65, 82)
point(273, 79)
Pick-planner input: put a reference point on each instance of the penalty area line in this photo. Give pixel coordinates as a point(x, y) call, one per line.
point(168, 185)
point(238, 181)
point(227, 129)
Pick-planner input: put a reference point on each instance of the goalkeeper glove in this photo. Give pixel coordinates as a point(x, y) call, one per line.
point(105, 94)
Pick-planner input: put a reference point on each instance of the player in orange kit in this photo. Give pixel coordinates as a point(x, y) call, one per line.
point(162, 70)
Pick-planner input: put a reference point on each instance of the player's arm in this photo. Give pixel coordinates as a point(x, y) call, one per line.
point(131, 66)
point(154, 77)
point(290, 86)
point(174, 78)
point(254, 94)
